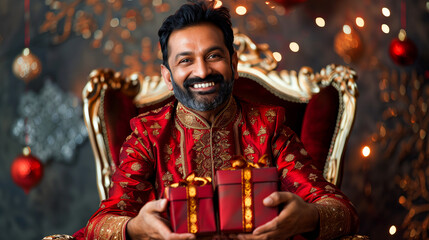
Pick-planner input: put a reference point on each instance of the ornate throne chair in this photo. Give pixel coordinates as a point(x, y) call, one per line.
point(320, 107)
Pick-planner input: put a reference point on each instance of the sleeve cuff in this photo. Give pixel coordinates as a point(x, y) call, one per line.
point(335, 219)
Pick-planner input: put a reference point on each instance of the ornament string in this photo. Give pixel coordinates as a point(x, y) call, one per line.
point(27, 44)
point(403, 14)
point(27, 23)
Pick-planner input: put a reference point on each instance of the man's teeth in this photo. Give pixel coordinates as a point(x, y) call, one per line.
point(204, 85)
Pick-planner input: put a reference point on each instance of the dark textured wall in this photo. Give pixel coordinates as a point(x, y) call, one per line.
point(67, 195)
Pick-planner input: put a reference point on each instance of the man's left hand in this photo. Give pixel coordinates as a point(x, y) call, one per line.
point(296, 217)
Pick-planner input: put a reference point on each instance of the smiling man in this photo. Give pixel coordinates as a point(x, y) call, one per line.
point(201, 131)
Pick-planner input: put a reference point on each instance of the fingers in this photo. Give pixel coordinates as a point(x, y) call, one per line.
point(180, 236)
point(156, 206)
point(276, 198)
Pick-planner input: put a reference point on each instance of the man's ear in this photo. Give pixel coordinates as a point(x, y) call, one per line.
point(166, 75)
point(234, 63)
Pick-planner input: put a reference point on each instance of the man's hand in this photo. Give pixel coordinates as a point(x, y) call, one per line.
point(149, 224)
point(295, 218)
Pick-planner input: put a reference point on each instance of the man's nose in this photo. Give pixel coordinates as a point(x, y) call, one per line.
point(202, 69)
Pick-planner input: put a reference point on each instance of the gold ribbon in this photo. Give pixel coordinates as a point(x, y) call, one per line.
point(191, 182)
point(246, 187)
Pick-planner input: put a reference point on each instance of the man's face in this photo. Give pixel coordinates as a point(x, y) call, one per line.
point(202, 72)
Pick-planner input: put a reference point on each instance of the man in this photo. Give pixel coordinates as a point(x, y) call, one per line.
point(200, 132)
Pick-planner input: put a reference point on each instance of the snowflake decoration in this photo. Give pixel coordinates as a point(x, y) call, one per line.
point(50, 123)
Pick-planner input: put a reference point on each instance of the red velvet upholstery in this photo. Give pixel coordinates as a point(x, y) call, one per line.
point(318, 125)
point(313, 122)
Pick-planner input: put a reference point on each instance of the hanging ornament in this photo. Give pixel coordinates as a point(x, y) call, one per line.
point(289, 3)
point(402, 50)
point(26, 170)
point(27, 66)
point(348, 44)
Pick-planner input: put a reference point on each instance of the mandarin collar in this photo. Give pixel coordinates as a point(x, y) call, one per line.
point(190, 119)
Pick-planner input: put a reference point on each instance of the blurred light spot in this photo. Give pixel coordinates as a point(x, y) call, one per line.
point(360, 22)
point(294, 47)
point(241, 10)
point(392, 230)
point(366, 151)
point(98, 34)
point(385, 28)
point(277, 56)
point(26, 51)
point(218, 4)
point(427, 5)
point(114, 22)
point(347, 29)
point(156, 3)
point(320, 22)
point(402, 34)
point(385, 11)
point(402, 200)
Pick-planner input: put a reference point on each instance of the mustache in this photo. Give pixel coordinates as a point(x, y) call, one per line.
point(216, 78)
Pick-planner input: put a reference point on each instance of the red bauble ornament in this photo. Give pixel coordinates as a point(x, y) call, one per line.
point(26, 170)
point(403, 52)
point(289, 3)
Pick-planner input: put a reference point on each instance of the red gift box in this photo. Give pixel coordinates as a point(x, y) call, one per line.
point(191, 214)
point(232, 193)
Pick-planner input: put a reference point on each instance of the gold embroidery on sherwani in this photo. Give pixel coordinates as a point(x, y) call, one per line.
point(271, 115)
point(182, 143)
point(123, 184)
point(136, 167)
point(249, 150)
point(289, 157)
point(129, 151)
point(202, 155)
point(298, 165)
point(284, 172)
point(246, 133)
point(141, 186)
point(125, 196)
point(262, 139)
point(121, 205)
point(312, 177)
point(253, 112)
point(262, 131)
point(237, 136)
point(168, 151)
point(303, 152)
point(167, 116)
point(197, 135)
point(167, 178)
point(220, 146)
point(335, 218)
point(110, 227)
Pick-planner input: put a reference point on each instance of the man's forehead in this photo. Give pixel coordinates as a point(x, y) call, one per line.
point(195, 34)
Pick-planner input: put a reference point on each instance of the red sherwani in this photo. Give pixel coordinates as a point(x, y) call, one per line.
point(168, 143)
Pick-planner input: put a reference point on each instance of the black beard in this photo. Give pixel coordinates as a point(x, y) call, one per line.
point(189, 100)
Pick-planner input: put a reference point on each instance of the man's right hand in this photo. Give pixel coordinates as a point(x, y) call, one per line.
point(149, 224)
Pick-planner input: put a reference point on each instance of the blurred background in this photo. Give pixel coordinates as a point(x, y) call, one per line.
point(48, 48)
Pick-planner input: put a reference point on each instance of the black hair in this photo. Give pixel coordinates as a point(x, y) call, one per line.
point(193, 13)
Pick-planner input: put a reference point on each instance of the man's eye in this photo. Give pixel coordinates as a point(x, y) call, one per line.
point(185, 60)
point(214, 56)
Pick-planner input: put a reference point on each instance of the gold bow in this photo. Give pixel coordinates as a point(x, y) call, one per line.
point(191, 179)
point(190, 182)
point(239, 162)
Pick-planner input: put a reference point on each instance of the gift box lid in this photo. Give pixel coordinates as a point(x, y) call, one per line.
point(224, 177)
point(179, 193)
